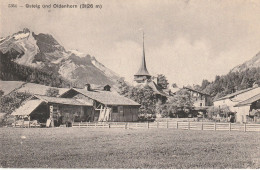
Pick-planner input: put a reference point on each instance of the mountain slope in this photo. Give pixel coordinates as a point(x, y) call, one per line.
point(43, 52)
point(252, 63)
point(240, 77)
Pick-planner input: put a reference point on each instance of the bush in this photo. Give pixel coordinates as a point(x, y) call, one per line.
point(52, 92)
point(219, 114)
point(146, 117)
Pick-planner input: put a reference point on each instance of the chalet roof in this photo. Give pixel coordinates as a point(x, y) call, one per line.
point(27, 108)
point(196, 91)
point(67, 101)
point(39, 89)
point(107, 97)
point(9, 86)
point(156, 89)
point(242, 94)
point(249, 101)
point(143, 70)
point(233, 94)
point(246, 95)
point(99, 87)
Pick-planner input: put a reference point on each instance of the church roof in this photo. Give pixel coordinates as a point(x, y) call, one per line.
point(143, 70)
point(156, 88)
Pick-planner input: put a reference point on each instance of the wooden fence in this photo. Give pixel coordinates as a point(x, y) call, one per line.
point(209, 126)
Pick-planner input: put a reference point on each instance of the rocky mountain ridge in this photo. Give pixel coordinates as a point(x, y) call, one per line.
point(252, 63)
point(42, 51)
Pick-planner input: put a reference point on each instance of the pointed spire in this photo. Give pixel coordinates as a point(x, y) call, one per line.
point(143, 70)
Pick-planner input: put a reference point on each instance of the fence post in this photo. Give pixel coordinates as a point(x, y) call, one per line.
point(95, 125)
point(229, 126)
point(157, 124)
point(126, 126)
point(80, 123)
point(202, 126)
point(29, 122)
point(148, 124)
point(189, 125)
point(177, 125)
point(245, 127)
point(167, 125)
point(215, 126)
point(109, 125)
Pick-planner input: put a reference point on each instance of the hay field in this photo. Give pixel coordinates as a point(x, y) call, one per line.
point(120, 148)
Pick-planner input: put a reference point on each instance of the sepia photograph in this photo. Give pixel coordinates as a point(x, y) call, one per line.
point(130, 84)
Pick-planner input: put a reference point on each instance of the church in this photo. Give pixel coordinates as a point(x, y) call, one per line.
point(143, 78)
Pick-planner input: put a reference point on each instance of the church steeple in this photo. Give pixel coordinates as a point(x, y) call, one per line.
point(142, 74)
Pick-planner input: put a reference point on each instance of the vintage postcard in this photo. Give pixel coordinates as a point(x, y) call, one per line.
point(130, 84)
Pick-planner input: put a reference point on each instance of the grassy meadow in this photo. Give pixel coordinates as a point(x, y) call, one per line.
point(120, 148)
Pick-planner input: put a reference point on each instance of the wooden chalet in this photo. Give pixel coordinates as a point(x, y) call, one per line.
point(202, 100)
point(244, 104)
point(79, 105)
point(107, 105)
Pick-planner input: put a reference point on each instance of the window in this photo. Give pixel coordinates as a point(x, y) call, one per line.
point(200, 104)
point(115, 109)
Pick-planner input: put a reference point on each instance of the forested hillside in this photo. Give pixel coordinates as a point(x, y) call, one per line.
point(11, 71)
point(233, 81)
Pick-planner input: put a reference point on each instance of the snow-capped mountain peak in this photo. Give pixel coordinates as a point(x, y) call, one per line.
point(43, 52)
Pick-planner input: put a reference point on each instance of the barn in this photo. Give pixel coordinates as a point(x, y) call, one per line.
point(249, 110)
point(57, 110)
point(107, 105)
point(79, 105)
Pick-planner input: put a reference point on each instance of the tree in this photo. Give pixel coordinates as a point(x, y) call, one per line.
point(180, 104)
point(232, 82)
point(204, 84)
point(1, 93)
point(123, 88)
point(143, 95)
point(52, 92)
point(196, 87)
point(161, 110)
point(12, 101)
point(174, 85)
point(162, 81)
point(218, 113)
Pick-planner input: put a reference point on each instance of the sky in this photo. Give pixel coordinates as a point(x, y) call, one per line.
point(186, 40)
